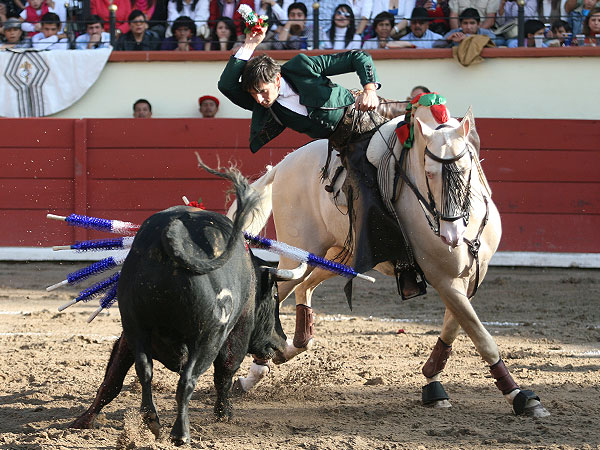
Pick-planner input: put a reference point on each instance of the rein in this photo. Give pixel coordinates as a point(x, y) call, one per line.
point(475, 244)
point(430, 210)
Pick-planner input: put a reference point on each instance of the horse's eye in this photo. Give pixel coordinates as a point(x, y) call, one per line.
point(429, 174)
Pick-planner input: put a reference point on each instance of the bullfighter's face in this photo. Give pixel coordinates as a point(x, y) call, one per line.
point(267, 93)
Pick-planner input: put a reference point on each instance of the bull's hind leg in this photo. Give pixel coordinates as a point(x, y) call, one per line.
point(143, 368)
point(433, 393)
point(199, 361)
point(522, 401)
point(121, 360)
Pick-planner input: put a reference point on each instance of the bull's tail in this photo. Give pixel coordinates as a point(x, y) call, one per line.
point(187, 256)
point(264, 188)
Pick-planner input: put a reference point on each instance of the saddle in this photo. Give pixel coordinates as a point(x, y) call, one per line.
point(382, 233)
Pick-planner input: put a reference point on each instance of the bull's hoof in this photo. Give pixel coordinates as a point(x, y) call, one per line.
point(83, 422)
point(528, 404)
point(290, 351)
point(237, 390)
point(223, 411)
point(153, 424)
point(178, 441)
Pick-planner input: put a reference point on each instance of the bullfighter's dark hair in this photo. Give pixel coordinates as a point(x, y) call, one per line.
point(259, 70)
point(350, 30)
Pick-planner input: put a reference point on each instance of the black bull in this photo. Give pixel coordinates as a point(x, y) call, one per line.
point(191, 295)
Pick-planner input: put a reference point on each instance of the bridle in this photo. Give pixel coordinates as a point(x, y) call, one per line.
point(455, 205)
point(455, 199)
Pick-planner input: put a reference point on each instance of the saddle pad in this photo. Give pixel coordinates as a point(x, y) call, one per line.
point(337, 197)
point(378, 147)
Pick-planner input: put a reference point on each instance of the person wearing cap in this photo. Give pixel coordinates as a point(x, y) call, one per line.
point(420, 35)
point(183, 36)
point(13, 35)
point(208, 106)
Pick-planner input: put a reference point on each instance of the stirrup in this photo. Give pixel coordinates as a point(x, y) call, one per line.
point(410, 284)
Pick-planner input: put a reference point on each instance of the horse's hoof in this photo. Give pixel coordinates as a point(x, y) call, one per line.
point(290, 352)
point(527, 403)
point(440, 404)
point(434, 395)
point(537, 411)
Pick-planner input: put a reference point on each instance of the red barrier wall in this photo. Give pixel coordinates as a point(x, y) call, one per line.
point(543, 173)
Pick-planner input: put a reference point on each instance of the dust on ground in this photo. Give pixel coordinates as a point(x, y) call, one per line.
point(358, 388)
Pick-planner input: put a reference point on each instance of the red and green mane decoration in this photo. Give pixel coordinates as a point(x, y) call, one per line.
point(436, 104)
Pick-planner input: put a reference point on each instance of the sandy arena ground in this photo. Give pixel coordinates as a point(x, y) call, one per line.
point(359, 387)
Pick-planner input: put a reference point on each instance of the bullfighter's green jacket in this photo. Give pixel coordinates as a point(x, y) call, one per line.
point(325, 101)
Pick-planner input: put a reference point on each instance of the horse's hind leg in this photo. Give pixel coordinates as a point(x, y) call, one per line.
point(522, 401)
point(433, 393)
point(303, 334)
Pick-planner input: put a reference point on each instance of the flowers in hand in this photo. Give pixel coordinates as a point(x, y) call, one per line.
point(254, 23)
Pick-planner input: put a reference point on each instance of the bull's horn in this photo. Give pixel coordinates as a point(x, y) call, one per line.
point(286, 274)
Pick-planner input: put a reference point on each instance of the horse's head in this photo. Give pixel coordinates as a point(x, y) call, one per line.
point(448, 159)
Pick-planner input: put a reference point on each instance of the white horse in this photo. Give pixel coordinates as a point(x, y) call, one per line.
point(452, 246)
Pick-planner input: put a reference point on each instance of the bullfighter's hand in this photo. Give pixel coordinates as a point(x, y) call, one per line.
point(256, 37)
point(368, 100)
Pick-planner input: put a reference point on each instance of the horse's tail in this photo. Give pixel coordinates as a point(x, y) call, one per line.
point(264, 187)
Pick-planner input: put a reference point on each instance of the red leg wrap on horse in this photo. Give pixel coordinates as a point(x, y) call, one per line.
point(504, 380)
point(437, 360)
point(304, 326)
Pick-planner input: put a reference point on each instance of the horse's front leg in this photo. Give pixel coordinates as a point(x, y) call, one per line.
point(433, 393)
point(522, 401)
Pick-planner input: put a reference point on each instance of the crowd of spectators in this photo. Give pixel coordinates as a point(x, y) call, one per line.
point(209, 25)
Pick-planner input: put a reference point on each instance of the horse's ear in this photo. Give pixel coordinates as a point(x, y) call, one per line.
point(426, 130)
point(467, 124)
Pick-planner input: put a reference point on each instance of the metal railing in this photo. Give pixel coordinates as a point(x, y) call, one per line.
point(77, 10)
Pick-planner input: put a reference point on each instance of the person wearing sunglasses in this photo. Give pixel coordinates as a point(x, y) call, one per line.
point(342, 33)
